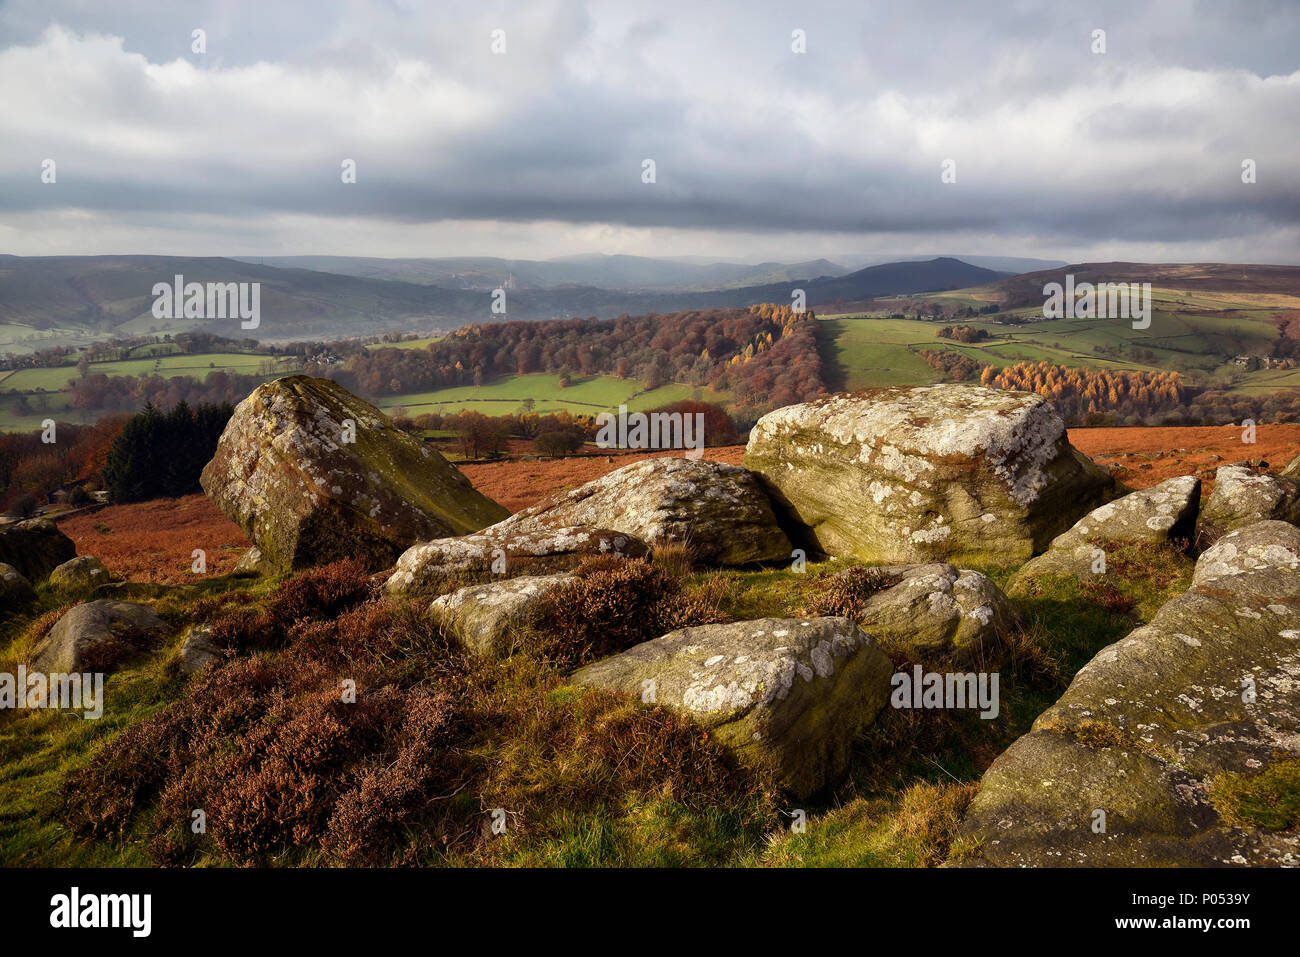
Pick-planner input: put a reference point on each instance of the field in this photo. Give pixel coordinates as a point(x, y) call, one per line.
point(1196, 333)
point(48, 393)
point(587, 396)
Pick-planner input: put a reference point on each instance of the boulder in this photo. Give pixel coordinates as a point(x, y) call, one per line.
point(313, 474)
point(35, 548)
point(14, 588)
point(1158, 515)
point(97, 635)
point(1164, 731)
point(504, 552)
point(786, 696)
point(1242, 496)
point(490, 619)
point(1292, 470)
point(1264, 545)
point(945, 472)
point(198, 650)
point(719, 509)
point(938, 613)
point(79, 576)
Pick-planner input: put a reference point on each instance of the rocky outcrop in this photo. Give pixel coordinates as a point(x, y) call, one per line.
point(35, 548)
point(1164, 731)
point(785, 695)
point(313, 474)
point(1258, 547)
point(1162, 514)
point(938, 613)
point(1292, 470)
point(492, 619)
point(947, 472)
point(79, 576)
point(719, 509)
point(503, 552)
point(96, 636)
point(1242, 497)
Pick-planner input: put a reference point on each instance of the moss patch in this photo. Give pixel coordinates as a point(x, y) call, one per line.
point(1270, 799)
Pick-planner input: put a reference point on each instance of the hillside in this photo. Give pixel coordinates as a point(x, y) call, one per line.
point(72, 300)
point(626, 273)
point(1206, 283)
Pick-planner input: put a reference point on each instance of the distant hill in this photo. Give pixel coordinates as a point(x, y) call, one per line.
point(103, 296)
point(1008, 264)
point(624, 273)
point(113, 295)
point(896, 279)
point(1223, 278)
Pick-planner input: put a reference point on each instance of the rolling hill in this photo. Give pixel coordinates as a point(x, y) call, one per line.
point(70, 300)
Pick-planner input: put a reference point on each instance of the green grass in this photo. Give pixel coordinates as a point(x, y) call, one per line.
point(899, 807)
point(1196, 334)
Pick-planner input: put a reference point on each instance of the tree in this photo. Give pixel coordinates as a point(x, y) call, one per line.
point(161, 454)
point(558, 442)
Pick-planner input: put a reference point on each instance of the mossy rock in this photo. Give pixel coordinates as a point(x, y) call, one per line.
point(314, 474)
point(939, 473)
point(504, 551)
point(1147, 731)
point(1243, 497)
point(787, 696)
point(98, 636)
point(35, 548)
point(79, 576)
point(1159, 515)
point(15, 590)
point(719, 509)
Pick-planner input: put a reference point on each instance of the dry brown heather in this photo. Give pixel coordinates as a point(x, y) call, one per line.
point(152, 541)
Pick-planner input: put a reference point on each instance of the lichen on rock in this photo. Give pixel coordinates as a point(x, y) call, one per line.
point(314, 474)
point(945, 472)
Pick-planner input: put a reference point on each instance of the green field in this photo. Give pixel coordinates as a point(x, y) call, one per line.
point(48, 394)
point(1187, 335)
point(505, 395)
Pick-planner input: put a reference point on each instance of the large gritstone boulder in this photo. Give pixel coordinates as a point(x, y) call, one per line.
point(313, 474)
point(946, 472)
point(1179, 744)
point(786, 695)
point(1243, 497)
point(35, 548)
point(500, 552)
point(1161, 515)
point(719, 509)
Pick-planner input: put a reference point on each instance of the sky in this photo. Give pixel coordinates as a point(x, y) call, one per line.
point(537, 148)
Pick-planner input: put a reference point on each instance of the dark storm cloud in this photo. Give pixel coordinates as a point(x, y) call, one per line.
point(1143, 144)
